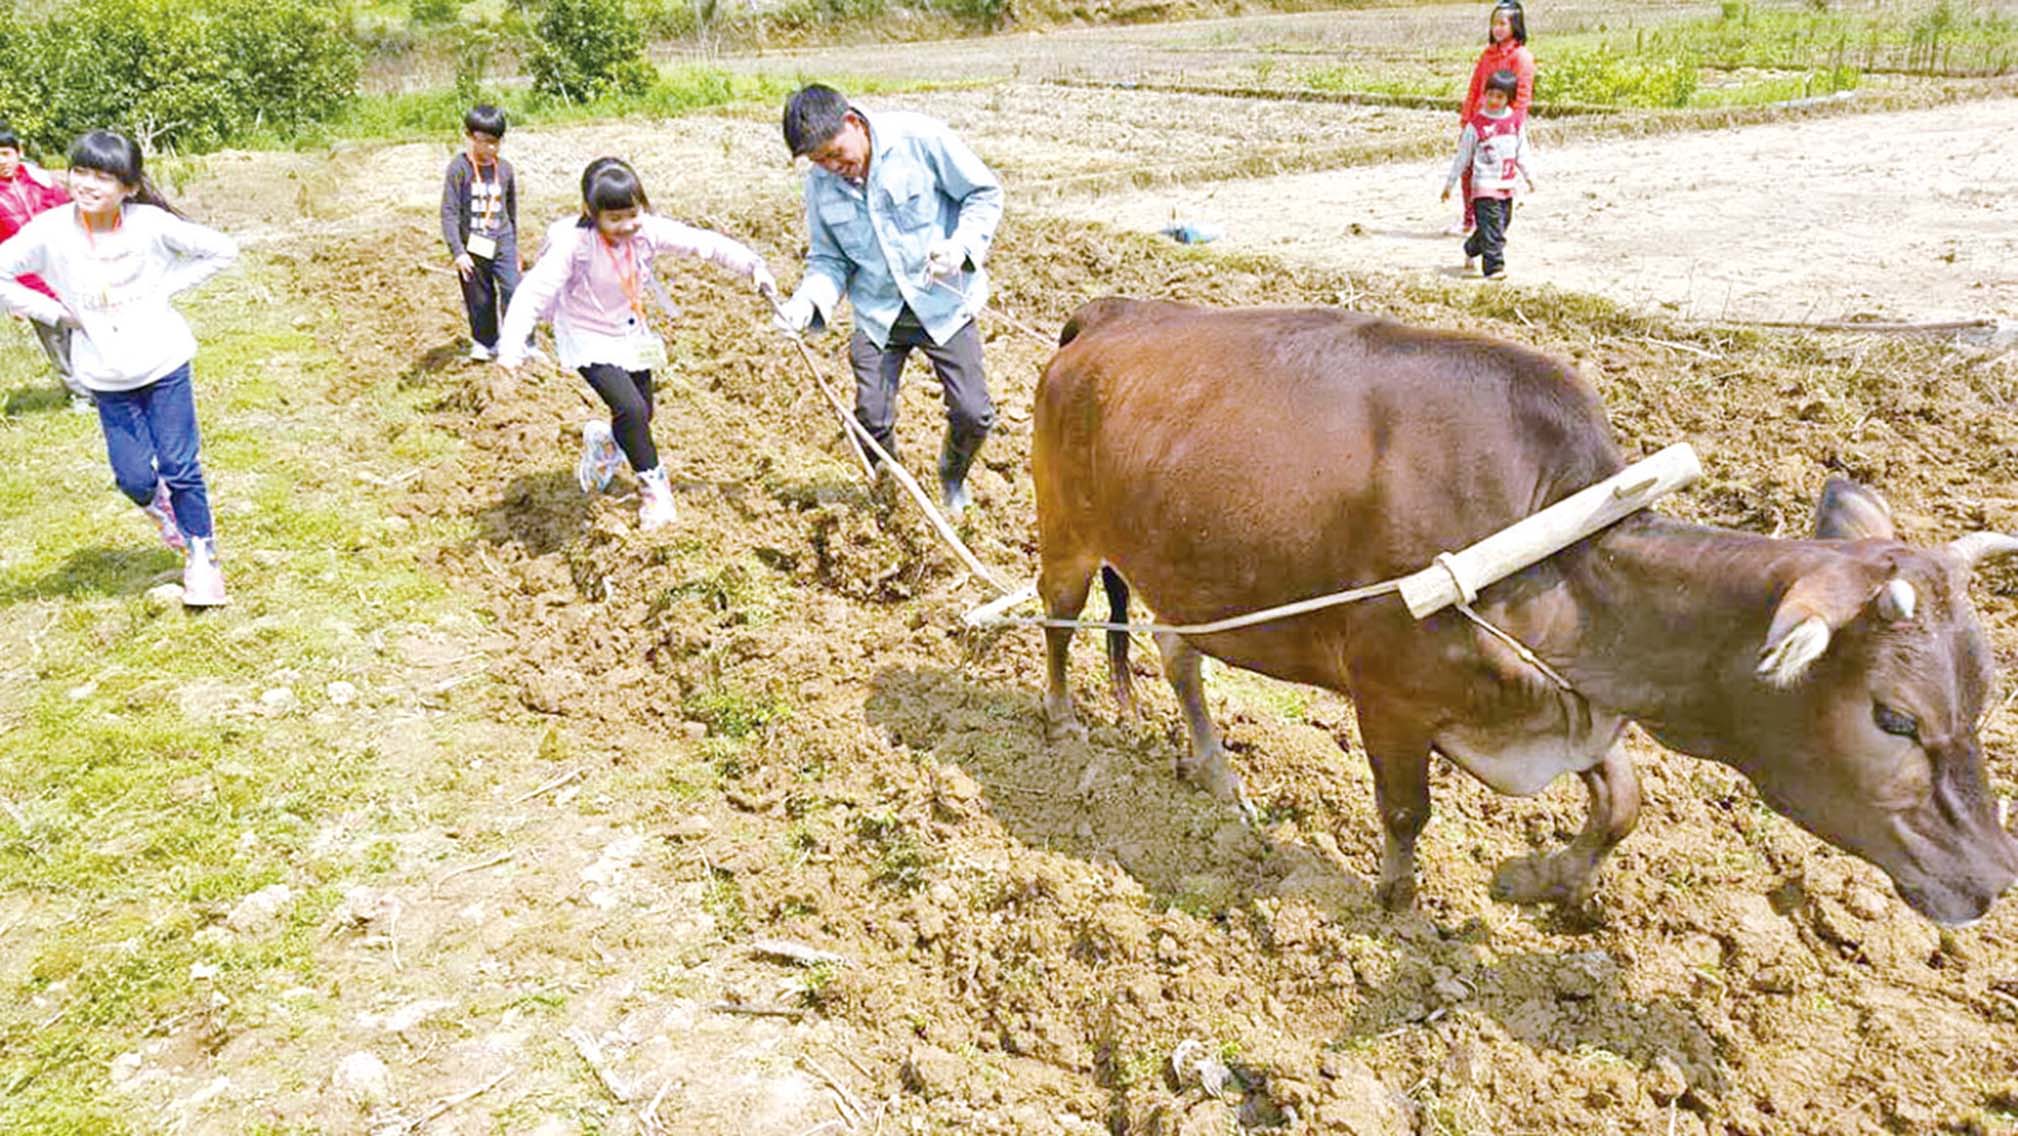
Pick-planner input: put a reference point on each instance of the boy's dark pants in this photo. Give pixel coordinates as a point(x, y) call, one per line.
point(1495, 215)
point(488, 291)
point(970, 414)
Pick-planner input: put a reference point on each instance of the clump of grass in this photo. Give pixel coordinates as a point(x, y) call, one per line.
point(901, 858)
point(1401, 84)
point(744, 592)
point(723, 899)
point(735, 711)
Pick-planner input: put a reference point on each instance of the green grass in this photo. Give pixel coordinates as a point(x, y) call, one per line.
point(678, 90)
point(1587, 72)
point(1802, 51)
point(148, 787)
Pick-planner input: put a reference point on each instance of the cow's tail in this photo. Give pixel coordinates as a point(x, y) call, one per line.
point(1117, 641)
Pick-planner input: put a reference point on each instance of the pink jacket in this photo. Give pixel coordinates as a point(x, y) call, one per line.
point(579, 281)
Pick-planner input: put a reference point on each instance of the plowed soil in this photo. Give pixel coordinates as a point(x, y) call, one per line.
point(1033, 929)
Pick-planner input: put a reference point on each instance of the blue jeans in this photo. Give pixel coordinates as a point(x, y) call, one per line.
point(150, 434)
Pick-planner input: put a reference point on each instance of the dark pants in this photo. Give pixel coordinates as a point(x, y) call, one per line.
point(56, 344)
point(488, 291)
point(1495, 216)
point(150, 434)
point(970, 414)
point(628, 394)
point(1470, 219)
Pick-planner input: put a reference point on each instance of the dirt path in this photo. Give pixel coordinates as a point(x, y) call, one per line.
point(1194, 47)
point(1897, 215)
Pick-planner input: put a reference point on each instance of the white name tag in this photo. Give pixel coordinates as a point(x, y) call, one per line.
point(651, 353)
point(484, 247)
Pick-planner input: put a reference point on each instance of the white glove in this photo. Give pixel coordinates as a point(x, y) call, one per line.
point(944, 259)
point(767, 285)
point(794, 316)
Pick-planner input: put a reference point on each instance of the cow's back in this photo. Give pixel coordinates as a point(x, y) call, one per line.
point(1226, 461)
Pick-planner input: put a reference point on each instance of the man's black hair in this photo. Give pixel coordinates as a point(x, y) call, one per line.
point(813, 115)
point(9, 139)
point(1505, 82)
point(484, 119)
point(1515, 16)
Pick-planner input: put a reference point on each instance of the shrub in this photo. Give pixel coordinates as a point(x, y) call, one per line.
point(1608, 79)
point(433, 13)
point(187, 74)
point(584, 48)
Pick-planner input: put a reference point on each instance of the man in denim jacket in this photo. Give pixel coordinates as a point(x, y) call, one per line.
point(900, 214)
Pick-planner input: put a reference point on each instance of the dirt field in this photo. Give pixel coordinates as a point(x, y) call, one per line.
point(1198, 49)
point(1896, 216)
point(780, 734)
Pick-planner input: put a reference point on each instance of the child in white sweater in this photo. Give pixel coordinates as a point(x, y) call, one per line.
point(114, 257)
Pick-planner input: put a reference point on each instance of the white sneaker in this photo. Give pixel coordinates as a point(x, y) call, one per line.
point(202, 583)
point(600, 457)
point(162, 512)
point(478, 353)
point(657, 509)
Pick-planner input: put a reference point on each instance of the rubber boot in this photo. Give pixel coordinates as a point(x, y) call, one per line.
point(956, 455)
point(656, 510)
point(202, 583)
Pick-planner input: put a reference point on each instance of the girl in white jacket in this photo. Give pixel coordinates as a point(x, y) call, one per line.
point(114, 257)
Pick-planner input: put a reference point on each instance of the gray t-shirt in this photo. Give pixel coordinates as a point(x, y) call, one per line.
point(487, 205)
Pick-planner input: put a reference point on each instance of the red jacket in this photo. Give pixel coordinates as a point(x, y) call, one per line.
point(28, 192)
point(1507, 56)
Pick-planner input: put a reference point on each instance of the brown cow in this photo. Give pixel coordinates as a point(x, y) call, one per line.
point(1227, 461)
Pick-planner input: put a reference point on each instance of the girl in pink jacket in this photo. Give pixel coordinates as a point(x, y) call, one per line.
point(593, 281)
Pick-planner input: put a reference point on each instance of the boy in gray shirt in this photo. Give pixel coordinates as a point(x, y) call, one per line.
point(479, 221)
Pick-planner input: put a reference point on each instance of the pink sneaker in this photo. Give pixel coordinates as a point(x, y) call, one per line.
point(202, 583)
point(162, 512)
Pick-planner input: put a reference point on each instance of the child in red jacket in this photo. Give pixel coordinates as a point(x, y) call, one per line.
point(1505, 50)
point(25, 190)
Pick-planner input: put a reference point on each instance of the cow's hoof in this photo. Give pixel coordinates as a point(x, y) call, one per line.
point(1555, 878)
point(1210, 772)
point(1058, 731)
point(1396, 896)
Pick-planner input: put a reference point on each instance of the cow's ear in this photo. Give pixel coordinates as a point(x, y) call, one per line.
point(1805, 621)
point(1849, 511)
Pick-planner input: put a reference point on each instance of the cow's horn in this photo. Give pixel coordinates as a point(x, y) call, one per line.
point(1982, 546)
point(1896, 600)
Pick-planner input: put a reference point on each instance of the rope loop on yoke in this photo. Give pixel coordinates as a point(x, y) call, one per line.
point(1466, 593)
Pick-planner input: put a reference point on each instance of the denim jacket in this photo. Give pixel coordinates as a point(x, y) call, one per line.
point(868, 242)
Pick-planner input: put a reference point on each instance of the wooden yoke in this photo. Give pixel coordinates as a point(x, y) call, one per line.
point(1457, 577)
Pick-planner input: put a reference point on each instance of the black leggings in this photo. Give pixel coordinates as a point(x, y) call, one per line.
point(628, 394)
